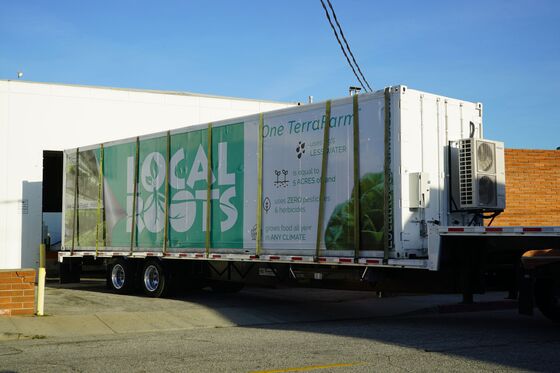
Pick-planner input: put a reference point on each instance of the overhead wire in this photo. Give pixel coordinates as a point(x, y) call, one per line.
point(347, 45)
point(341, 46)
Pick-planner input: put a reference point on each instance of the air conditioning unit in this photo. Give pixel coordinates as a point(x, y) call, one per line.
point(477, 175)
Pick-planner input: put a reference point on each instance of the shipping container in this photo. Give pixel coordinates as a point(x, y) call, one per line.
point(213, 173)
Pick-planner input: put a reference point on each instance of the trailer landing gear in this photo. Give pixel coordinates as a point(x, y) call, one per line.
point(540, 283)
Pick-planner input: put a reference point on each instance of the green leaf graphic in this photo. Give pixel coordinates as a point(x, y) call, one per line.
point(153, 169)
point(339, 234)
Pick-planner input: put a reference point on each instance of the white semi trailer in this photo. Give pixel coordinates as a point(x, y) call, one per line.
point(384, 191)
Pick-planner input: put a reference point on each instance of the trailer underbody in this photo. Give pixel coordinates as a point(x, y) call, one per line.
point(470, 260)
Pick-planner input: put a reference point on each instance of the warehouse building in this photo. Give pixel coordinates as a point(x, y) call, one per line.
point(38, 120)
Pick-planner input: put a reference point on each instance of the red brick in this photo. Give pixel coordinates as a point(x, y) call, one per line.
point(5, 300)
point(12, 306)
point(5, 312)
point(17, 292)
point(532, 188)
point(23, 299)
point(25, 273)
point(22, 312)
point(10, 280)
point(29, 279)
point(22, 286)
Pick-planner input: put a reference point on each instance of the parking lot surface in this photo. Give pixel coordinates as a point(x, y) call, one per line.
point(90, 329)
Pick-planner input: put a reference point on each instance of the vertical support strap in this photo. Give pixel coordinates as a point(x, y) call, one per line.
point(209, 191)
point(166, 208)
point(259, 184)
point(324, 165)
point(75, 221)
point(133, 229)
point(103, 211)
point(388, 181)
point(357, 194)
point(100, 218)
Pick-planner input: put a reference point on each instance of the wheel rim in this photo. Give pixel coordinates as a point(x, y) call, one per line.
point(151, 278)
point(118, 276)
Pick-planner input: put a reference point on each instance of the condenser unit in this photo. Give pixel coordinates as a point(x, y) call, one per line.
point(477, 175)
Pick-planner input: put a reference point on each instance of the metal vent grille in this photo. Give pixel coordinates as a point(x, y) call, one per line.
point(487, 190)
point(478, 181)
point(485, 157)
point(466, 172)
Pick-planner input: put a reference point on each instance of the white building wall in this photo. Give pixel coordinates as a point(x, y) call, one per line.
point(39, 116)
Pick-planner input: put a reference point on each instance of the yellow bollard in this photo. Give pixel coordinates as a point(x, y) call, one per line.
point(41, 281)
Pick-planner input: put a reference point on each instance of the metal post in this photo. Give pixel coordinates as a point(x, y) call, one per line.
point(41, 281)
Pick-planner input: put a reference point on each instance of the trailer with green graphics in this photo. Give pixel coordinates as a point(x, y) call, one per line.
point(384, 191)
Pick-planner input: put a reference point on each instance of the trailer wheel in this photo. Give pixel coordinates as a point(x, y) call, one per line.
point(547, 298)
point(153, 279)
point(120, 276)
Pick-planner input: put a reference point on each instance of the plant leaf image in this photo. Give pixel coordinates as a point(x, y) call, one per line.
point(154, 208)
point(339, 234)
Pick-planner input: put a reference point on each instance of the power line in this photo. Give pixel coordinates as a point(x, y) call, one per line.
point(346, 43)
point(341, 47)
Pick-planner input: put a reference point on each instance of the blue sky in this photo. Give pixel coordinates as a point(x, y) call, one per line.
point(505, 54)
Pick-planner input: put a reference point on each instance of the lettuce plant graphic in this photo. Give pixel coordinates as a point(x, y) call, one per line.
point(153, 209)
point(339, 234)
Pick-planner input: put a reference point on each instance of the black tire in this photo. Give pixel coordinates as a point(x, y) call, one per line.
point(153, 279)
point(226, 286)
point(547, 298)
point(121, 276)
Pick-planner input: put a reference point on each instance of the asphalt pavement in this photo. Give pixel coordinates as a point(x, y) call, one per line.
point(274, 330)
point(89, 308)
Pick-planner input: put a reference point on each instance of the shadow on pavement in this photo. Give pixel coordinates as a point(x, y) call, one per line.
point(500, 337)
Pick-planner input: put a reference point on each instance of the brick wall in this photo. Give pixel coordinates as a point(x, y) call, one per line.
point(532, 188)
point(17, 292)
